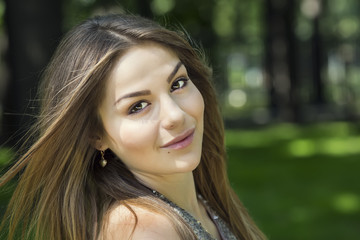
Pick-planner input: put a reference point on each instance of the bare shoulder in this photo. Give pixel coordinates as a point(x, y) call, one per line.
point(150, 225)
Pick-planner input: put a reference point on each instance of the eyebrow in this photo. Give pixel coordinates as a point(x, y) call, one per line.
point(176, 69)
point(148, 92)
point(134, 94)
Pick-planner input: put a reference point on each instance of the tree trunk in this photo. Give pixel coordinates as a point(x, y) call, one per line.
point(34, 28)
point(280, 60)
point(319, 99)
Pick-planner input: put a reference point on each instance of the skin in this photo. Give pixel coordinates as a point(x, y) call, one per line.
point(153, 119)
point(161, 113)
point(150, 225)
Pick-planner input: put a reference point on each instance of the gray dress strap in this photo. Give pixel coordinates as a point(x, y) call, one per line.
point(195, 225)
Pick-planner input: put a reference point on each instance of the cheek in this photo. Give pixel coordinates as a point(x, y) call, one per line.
point(135, 135)
point(201, 105)
point(197, 104)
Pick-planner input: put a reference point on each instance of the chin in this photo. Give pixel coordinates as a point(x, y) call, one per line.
point(188, 166)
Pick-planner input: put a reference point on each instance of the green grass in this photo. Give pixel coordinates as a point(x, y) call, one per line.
point(299, 182)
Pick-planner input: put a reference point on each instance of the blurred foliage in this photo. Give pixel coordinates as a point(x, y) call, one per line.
point(2, 11)
point(233, 34)
point(6, 155)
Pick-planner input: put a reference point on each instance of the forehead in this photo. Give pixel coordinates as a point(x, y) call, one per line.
point(143, 60)
point(140, 68)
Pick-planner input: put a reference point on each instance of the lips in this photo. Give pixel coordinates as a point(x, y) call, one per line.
point(181, 141)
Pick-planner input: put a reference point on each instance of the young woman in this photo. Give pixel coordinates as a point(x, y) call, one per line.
point(129, 143)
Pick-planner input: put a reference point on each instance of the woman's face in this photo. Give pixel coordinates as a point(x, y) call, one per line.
point(152, 113)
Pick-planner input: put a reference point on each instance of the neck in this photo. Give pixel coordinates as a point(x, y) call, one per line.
point(179, 188)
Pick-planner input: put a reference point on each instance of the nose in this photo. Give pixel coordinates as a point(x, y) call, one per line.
point(172, 115)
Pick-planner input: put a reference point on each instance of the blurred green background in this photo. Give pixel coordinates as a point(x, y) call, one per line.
point(299, 182)
point(287, 75)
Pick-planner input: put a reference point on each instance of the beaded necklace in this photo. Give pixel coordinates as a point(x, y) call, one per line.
point(200, 232)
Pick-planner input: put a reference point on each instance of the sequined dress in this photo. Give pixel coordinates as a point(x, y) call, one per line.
point(196, 226)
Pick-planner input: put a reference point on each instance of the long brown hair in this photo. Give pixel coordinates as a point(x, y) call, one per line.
point(63, 193)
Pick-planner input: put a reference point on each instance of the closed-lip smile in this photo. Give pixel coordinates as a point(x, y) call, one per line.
point(181, 141)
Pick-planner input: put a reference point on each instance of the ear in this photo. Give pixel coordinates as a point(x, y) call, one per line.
point(98, 143)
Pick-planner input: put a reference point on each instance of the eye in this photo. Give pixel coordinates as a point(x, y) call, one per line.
point(138, 107)
point(179, 83)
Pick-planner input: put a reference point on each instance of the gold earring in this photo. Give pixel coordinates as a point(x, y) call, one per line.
point(102, 161)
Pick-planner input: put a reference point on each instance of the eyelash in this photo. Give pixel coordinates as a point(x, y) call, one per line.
point(133, 110)
point(184, 79)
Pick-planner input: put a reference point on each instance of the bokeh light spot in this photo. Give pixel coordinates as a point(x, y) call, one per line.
point(161, 7)
point(346, 203)
point(302, 148)
point(237, 98)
